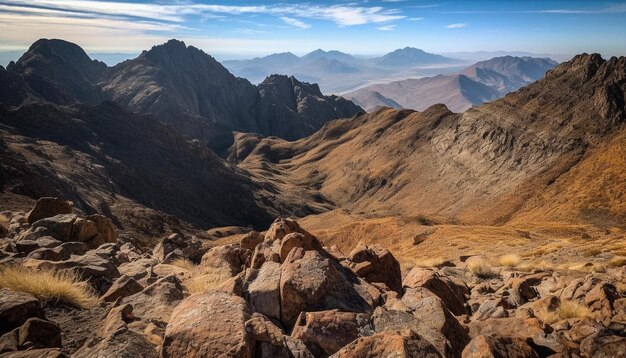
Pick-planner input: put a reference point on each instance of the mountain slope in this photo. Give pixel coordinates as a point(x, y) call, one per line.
point(130, 167)
point(477, 84)
point(457, 92)
point(481, 166)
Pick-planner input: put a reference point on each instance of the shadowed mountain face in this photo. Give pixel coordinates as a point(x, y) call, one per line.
point(131, 167)
point(411, 57)
point(483, 166)
point(179, 85)
point(479, 83)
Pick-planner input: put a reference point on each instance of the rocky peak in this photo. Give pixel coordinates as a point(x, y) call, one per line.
point(60, 72)
point(55, 55)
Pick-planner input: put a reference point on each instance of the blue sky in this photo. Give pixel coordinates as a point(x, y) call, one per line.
point(360, 27)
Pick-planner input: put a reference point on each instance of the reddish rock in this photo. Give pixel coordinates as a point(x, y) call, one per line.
point(209, 325)
point(250, 240)
point(46, 207)
point(495, 347)
point(452, 294)
point(325, 332)
point(311, 281)
point(389, 344)
point(376, 265)
point(263, 290)
point(16, 308)
point(232, 256)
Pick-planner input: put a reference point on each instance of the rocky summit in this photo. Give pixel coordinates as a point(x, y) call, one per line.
point(282, 293)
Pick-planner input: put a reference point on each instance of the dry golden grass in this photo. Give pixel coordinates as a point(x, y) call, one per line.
point(208, 280)
point(4, 225)
point(481, 268)
point(572, 309)
point(617, 261)
point(566, 309)
point(49, 285)
point(510, 260)
point(185, 264)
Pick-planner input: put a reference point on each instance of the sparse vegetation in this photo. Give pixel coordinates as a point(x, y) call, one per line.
point(572, 309)
point(49, 285)
point(617, 261)
point(510, 260)
point(566, 309)
point(184, 263)
point(208, 280)
point(4, 225)
point(593, 252)
point(481, 268)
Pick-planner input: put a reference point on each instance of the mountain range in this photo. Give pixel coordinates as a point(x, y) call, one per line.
point(338, 72)
point(177, 84)
point(131, 157)
point(482, 82)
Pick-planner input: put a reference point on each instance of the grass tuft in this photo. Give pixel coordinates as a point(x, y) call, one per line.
point(567, 309)
point(185, 264)
point(617, 261)
point(510, 260)
point(49, 285)
point(572, 309)
point(481, 268)
point(207, 281)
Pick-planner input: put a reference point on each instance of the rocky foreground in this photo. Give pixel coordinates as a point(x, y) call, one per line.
point(281, 293)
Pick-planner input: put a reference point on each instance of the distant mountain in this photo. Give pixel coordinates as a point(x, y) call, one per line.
point(179, 85)
point(517, 71)
point(479, 83)
point(411, 57)
point(330, 55)
point(457, 92)
point(373, 100)
point(338, 72)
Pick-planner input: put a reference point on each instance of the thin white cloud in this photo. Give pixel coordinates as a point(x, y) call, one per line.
point(456, 26)
point(386, 28)
point(415, 18)
point(343, 15)
point(295, 22)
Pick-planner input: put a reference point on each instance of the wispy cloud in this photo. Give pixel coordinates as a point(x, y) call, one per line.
point(415, 18)
point(456, 26)
point(343, 15)
point(295, 22)
point(386, 28)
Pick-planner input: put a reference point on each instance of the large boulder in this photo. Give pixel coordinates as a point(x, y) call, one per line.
point(281, 227)
point(250, 240)
point(46, 207)
point(496, 347)
point(314, 281)
point(326, 332)
point(263, 289)
point(452, 294)
point(423, 312)
point(211, 324)
point(376, 265)
point(70, 227)
point(271, 341)
point(16, 308)
point(404, 343)
point(157, 301)
point(39, 333)
point(179, 246)
point(124, 286)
